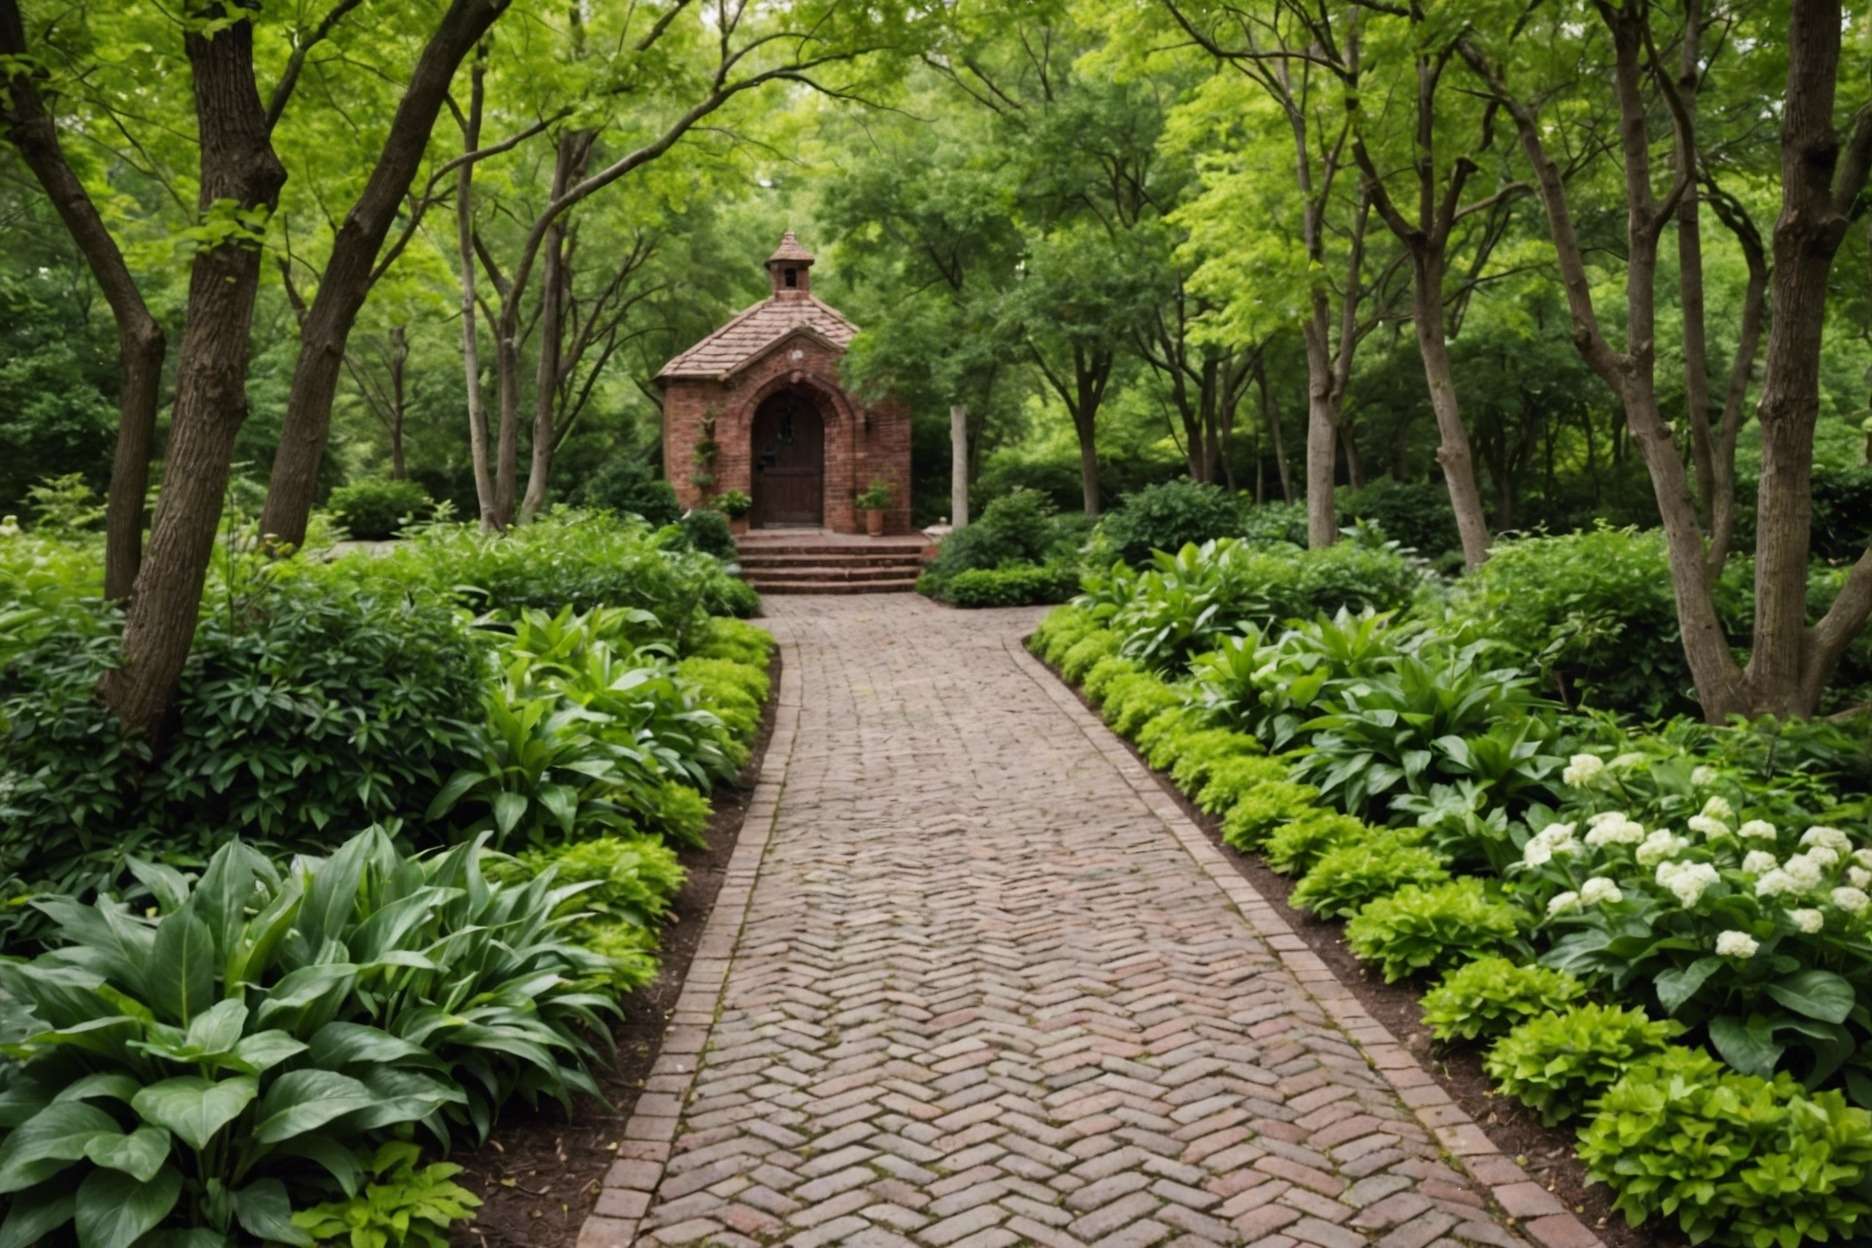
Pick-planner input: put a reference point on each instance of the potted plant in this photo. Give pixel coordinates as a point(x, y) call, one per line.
point(873, 502)
point(735, 504)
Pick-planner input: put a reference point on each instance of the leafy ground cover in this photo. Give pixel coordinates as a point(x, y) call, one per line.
point(1599, 906)
point(411, 838)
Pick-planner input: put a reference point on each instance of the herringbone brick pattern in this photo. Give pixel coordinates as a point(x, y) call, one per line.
point(982, 996)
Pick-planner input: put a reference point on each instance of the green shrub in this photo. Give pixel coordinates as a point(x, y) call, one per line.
point(402, 1203)
point(376, 509)
point(735, 640)
point(1105, 673)
point(1059, 631)
point(1594, 612)
point(1014, 585)
point(1415, 513)
point(631, 877)
point(1556, 1063)
point(1098, 644)
point(1419, 929)
point(1354, 872)
point(735, 692)
point(200, 1066)
point(1021, 527)
point(707, 530)
point(1131, 704)
point(629, 486)
point(1297, 844)
point(1732, 1159)
point(1199, 753)
point(1162, 738)
point(1486, 997)
point(1267, 524)
point(1168, 517)
point(1232, 779)
point(1253, 819)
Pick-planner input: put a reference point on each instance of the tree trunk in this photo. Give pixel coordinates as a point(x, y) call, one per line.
point(140, 342)
point(350, 272)
point(471, 345)
point(238, 165)
point(958, 465)
point(555, 283)
point(1453, 445)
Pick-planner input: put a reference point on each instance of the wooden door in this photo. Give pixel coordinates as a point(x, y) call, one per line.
point(789, 462)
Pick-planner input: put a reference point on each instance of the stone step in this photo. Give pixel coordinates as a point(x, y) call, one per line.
point(750, 545)
point(834, 587)
point(831, 572)
point(864, 559)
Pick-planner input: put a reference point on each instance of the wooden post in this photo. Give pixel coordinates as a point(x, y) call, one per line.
point(958, 465)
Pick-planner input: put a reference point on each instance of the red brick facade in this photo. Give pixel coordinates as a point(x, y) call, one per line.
point(789, 342)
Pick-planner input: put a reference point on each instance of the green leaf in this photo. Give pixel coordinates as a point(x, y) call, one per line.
point(195, 1108)
point(1679, 984)
point(115, 1210)
point(266, 1213)
point(266, 1049)
point(337, 1159)
point(1749, 1046)
point(509, 809)
point(218, 1028)
point(1815, 993)
point(31, 1216)
point(115, 1087)
point(140, 1154)
point(304, 1100)
point(50, 1141)
point(182, 966)
point(340, 1044)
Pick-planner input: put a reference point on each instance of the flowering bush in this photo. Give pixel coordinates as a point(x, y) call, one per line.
point(1755, 933)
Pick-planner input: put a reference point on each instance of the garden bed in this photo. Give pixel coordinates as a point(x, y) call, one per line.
point(539, 1174)
point(1546, 1153)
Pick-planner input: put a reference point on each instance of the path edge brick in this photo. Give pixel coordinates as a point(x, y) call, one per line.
point(644, 1146)
point(1466, 1144)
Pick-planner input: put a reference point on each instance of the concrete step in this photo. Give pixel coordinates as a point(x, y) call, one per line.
point(831, 572)
point(834, 587)
point(864, 559)
point(835, 550)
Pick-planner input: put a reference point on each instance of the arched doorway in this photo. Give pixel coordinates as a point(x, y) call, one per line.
point(788, 447)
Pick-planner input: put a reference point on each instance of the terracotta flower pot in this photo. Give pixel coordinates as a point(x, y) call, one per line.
point(737, 525)
point(874, 521)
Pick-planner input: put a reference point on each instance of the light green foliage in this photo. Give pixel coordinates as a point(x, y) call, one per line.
point(1253, 819)
point(1730, 1159)
point(633, 878)
point(1082, 654)
point(1357, 871)
point(1200, 752)
point(1297, 844)
point(64, 504)
point(1557, 1063)
point(1130, 702)
point(680, 813)
point(1233, 779)
point(1486, 997)
point(404, 1203)
point(1062, 628)
point(373, 510)
point(1161, 739)
point(736, 640)
point(734, 691)
point(1419, 929)
point(1105, 673)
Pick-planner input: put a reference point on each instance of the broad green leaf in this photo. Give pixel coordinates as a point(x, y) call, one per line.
point(33, 1215)
point(115, 1210)
point(1748, 1046)
point(182, 967)
point(1815, 993)
point(509, 809)
point(218, 1028)
point(91, 1087)
point(266, 1213)
point(140, 1154)
point(304, 1100)
point(264, 1050)
point(49, 1141)
point(1678, 985)
point(195, 1108)
point(339, 1044)
point(337, 1159)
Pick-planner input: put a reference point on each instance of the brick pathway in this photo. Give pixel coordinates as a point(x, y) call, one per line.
point(975, 981)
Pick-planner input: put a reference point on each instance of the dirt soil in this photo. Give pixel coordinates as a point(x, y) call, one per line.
point(538, 1174)
point(1546, 1153)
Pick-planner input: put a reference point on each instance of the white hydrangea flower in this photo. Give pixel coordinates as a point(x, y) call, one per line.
point(1809, 921)
point(1775, 882)
point(1600, 891)
point(1863, 857)
point(1829, 838)
point(1759, 862)
point(1582, 770)
point(1804, 871)
point(1659, 846)
point(1614, 828)
point(1822, 856)
point(1757, 830)
point(1536, 854)
point(1851, 900)
point(1690, 881)
point(1736, 945)
point(1708, 825)
point(1719, 808)
point(1703, 776)
point(1860, 877)
point(1564, 903)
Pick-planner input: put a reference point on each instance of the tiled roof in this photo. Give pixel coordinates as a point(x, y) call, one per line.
point(790, 249)
point(756, 329)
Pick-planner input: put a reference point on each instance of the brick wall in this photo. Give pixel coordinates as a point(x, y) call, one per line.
point(854, 456)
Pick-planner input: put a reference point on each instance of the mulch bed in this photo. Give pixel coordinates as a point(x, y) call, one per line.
point(1546, 1153)
point(539, 1173)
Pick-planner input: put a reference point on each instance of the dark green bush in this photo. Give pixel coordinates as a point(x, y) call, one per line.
point(1264, 524)
point(708, 531)
point(1168, 517)
point(1016, 585)
point(629, 486)
point(1414, 513)
point(1019, 527)
point(375, 509)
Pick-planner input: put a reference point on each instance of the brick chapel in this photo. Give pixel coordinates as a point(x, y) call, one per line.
point(788, 433)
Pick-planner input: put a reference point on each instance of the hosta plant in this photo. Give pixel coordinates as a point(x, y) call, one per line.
point(1556, 1063)
point(1419, 929)
point(1490, 996)
point(1731, 1159)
